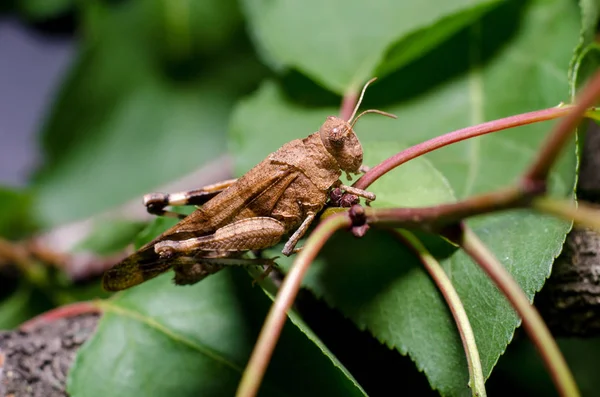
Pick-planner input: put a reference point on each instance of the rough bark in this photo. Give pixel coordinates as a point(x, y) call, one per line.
point(570, 300)
point(36, 362)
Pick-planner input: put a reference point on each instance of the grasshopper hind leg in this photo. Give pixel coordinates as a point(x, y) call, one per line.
point(157, 202)
point(240, 236)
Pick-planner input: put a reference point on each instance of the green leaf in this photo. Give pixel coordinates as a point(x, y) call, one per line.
point(525, 372)
point(22, 304)
point(13, 310)
point(110, 236)
point(432, 189)
point(198, 27)
point(44, 9)
point(417, 43)
point(128, 120)
point(586, 58)
point(264, 121)
point(15, 217)
point(342, 43)
point(514, 60)
point(163, 340)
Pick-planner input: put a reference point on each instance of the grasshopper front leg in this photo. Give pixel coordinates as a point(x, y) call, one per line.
point(346, 196)
point(288, 248)
point(244, 235)
point(358, 192)
point(156, 202)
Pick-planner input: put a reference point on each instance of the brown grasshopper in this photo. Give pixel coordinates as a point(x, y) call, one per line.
point(282, 193)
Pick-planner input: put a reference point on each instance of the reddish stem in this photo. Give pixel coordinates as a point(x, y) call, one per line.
point(547, 155)
point(66, 311)
point(348, 104)
point(532, 321)
point(435, 218)
point(271, 330)
point(456, 136)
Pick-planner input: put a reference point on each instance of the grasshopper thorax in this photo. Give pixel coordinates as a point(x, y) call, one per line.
point(341, 142)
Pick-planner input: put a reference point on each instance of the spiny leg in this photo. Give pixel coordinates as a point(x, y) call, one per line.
point(288, 248)
point(244, 235)
point(191, 269)
point(268, 264)
point(156, 202)
point(267, 267)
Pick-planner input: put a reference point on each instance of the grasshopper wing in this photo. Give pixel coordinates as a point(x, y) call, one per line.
point(135, 269)
point(254, 194)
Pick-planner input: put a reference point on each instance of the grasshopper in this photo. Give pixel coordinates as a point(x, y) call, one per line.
point(282, 193)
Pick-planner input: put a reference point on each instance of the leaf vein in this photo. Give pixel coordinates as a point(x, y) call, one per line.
point(152, 323)
point(476, 93)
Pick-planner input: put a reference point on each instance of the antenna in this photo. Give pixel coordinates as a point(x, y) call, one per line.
point(381, 112)
point(353, 120)
point(362, 94)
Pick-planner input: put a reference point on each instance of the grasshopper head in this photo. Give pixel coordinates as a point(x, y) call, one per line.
point(339, 138)
point(341, 142)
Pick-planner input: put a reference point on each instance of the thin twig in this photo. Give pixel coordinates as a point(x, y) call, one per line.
point(456, 136)
point(437, 274)
point(13, 253)
point(532, 321)
point(70, 310)
point(581, 213)
point(547, 155)
point(263, 350)
point(348, 104)
point(435, 218)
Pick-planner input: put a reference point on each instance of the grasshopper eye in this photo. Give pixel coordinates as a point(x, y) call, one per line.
point(334, 130)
